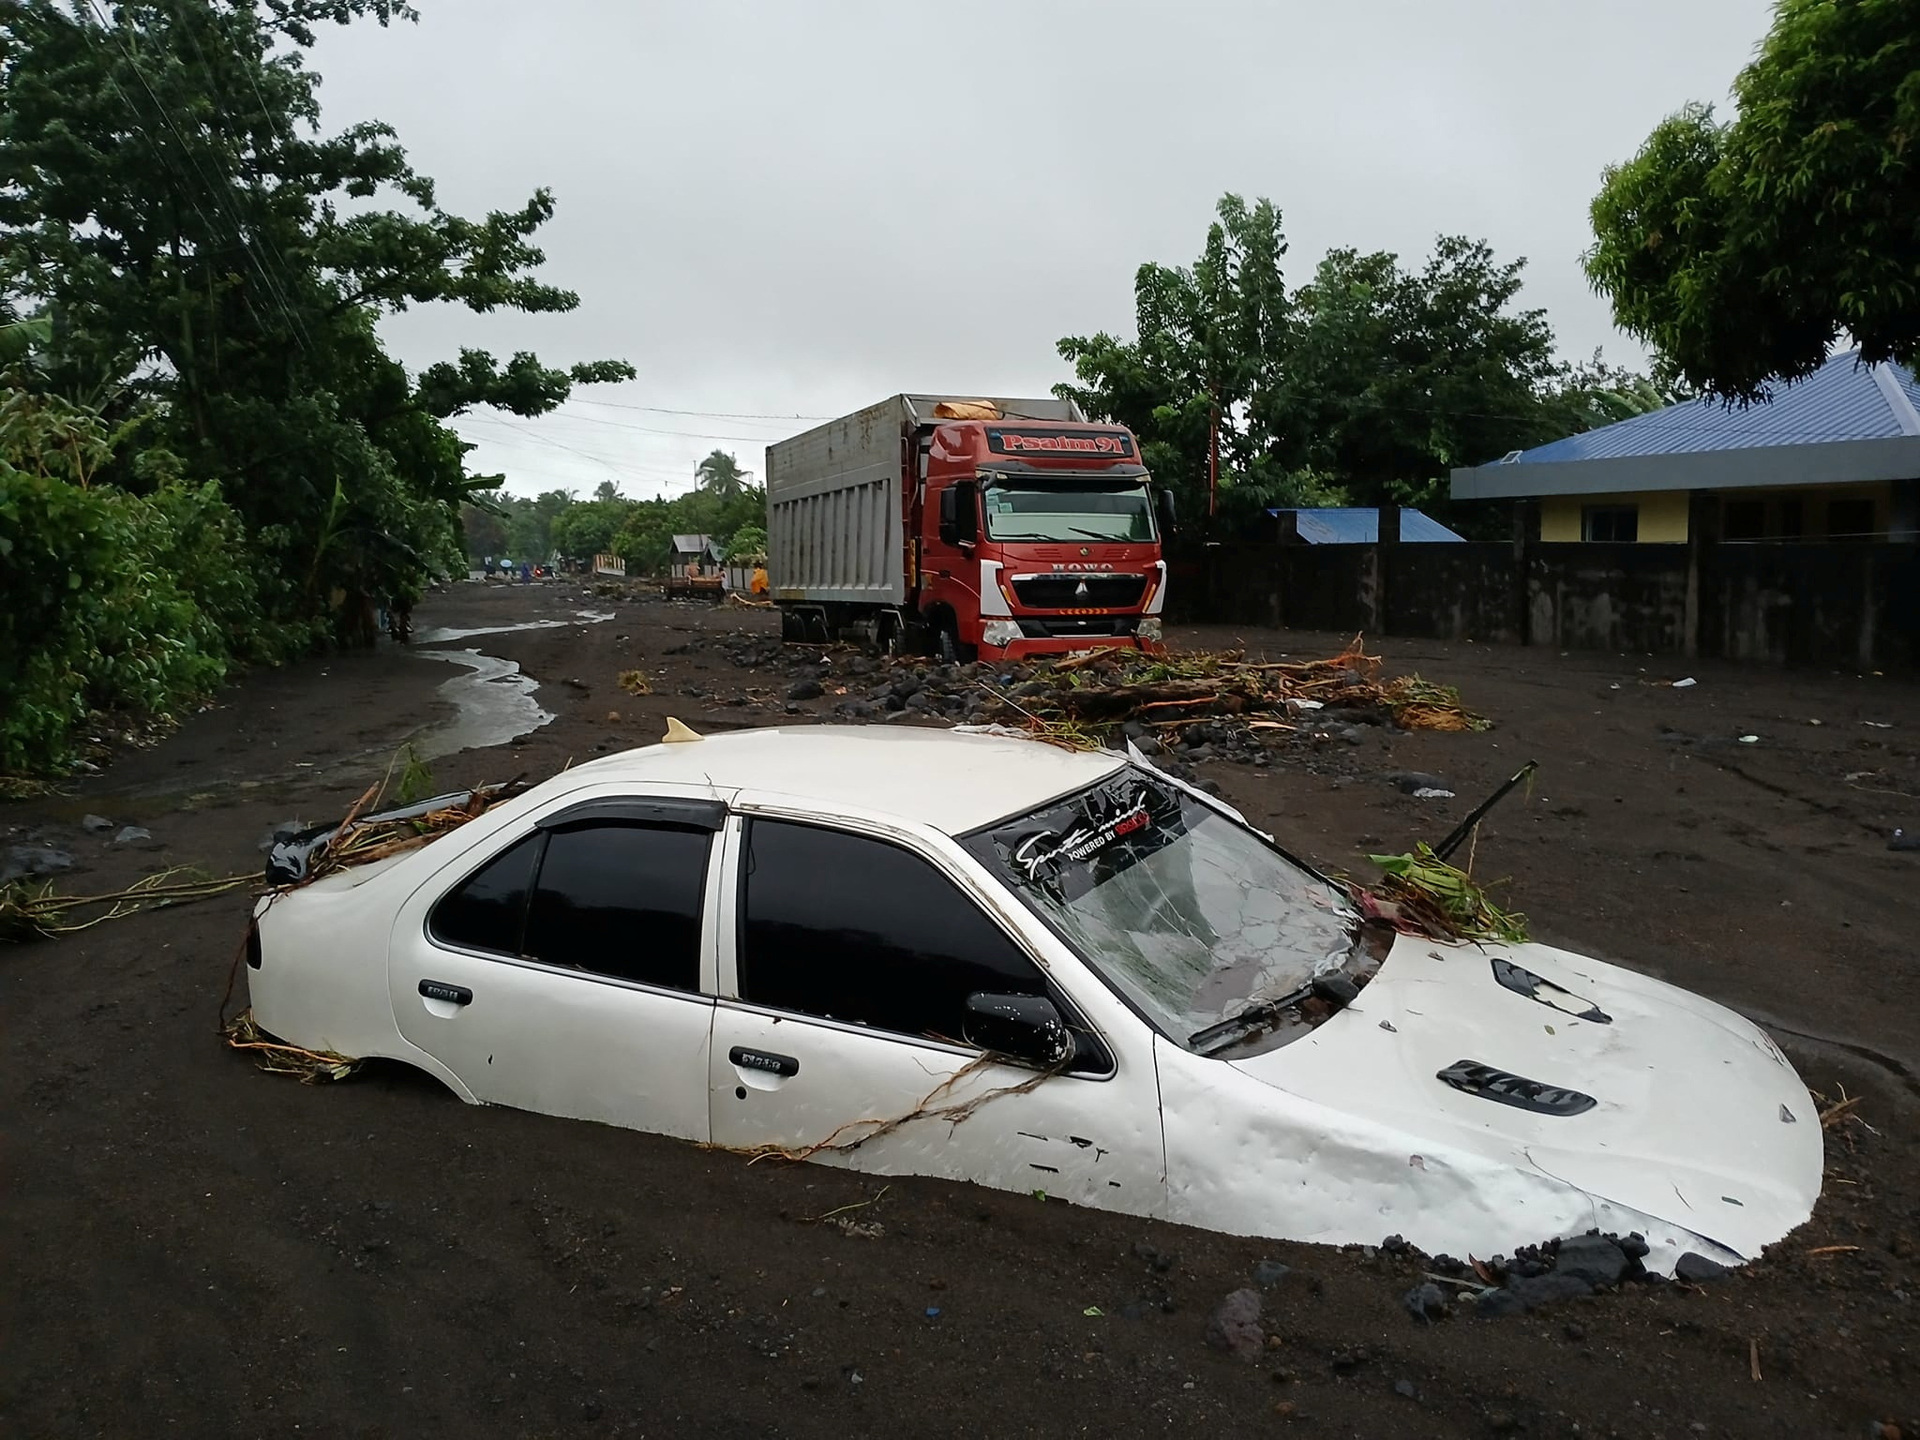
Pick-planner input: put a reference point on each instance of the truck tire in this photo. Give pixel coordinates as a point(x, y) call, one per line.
point(793, 628)
point(948, 647)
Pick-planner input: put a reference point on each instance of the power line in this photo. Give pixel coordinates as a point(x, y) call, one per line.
point(274, 293)
point(651, 430)
point(532, 434)
point(696, 414)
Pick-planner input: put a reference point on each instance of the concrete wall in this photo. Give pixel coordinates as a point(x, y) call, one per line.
point(1807, 603)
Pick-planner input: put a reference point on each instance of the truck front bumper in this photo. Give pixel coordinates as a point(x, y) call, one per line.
point(1023, 637)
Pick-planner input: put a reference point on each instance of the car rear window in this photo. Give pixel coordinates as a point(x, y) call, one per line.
point(488, 910)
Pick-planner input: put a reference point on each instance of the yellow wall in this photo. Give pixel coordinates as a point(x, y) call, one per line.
point(1663, 513)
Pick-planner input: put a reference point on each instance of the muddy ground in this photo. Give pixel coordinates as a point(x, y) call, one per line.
point(193, 1247)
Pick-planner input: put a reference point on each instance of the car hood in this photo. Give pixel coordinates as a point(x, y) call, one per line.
point(1696, 1118)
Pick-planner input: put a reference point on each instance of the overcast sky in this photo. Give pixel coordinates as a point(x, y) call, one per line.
point(787, 209)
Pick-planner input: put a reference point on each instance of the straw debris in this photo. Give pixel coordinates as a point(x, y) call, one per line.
point(1079, 700)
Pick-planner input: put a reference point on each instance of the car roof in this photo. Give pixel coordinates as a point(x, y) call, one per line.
point(951, 780)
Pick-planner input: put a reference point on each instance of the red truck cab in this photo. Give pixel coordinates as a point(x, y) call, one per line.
point(1035, 538)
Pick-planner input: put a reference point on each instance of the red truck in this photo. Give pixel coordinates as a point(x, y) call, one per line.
point(967, 526)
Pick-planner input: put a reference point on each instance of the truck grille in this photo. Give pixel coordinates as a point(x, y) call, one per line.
point(1068, 627)
point(1080, 590)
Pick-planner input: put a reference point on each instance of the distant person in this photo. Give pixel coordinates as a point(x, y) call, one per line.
point(526, 572)
point(488, 564)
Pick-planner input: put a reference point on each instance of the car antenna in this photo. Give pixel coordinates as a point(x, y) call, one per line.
point(1458, 835)
point(678, 733)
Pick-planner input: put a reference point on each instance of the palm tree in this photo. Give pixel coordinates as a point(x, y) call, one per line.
point(720, 475)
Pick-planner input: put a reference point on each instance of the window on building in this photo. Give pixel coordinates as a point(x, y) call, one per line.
point(1744, 520)
point(860, 931)
point(1850, 519)
point(488, 910)
point(1610, 524)
point(623, 900)
point(1793, 519)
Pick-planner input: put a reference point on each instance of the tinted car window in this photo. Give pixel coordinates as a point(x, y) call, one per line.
point(489, 909)
point(622, 900)
point(857, 930)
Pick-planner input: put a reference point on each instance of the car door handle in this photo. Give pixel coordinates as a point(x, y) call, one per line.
point(452, 994)
point(765, 1060)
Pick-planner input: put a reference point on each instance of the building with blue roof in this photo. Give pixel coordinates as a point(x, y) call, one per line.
point(1356, 525)
point(1835, 456)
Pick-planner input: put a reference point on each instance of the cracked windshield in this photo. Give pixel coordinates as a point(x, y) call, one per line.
point(1192, 917)
point(1018, 511)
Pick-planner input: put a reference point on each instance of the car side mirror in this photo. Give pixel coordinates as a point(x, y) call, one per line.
point(1165, 500)
point(1025, 1027)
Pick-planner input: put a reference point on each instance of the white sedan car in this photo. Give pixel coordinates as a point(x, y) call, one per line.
point(918, 952)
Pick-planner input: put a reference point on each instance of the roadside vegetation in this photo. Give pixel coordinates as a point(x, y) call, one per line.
point(207, 457)
point(724, 505)
point(1364, 385)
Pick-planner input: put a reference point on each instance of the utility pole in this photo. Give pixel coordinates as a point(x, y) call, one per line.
point(1213, 451)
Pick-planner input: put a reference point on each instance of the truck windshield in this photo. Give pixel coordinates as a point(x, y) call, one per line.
point(1194, 919)
point(1027, 509)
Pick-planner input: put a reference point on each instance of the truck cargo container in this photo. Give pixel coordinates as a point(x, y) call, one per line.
point(966, 525)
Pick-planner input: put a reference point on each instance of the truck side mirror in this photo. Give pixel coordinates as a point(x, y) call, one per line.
point(949, 511)
point(1165, 499)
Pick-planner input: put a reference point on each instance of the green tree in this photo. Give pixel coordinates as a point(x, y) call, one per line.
point(1208, 337)
point(1369, 382)
point(1742, 250)
point(212, 259)
point(749, 543)
point(1394, 376)
point(720, 475)
point(585, 530)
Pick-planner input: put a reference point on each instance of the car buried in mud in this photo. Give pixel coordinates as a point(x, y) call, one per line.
point(920, 952)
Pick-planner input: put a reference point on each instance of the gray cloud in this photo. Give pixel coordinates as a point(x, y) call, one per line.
point(774, 208)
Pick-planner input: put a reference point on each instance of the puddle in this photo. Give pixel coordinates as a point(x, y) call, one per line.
point(440, 635)
point(492, 705)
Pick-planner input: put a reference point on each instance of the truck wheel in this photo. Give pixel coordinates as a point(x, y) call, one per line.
point(949, 648)
point(792, 627)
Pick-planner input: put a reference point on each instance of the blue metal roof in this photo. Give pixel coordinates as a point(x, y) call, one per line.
point(1842, 400)
point(1360, 525)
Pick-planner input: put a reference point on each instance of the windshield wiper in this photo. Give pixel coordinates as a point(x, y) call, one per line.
point(1092, 534)
point(1261, 1012)
point(1335, 987)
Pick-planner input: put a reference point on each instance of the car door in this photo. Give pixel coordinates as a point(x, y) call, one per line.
point(570, 970)
point(842, 1041)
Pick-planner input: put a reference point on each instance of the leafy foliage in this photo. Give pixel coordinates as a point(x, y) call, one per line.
point(720, 475)
point(723, 504)
point(1742, 250)
point(1364, 385)
point(191, 275)
point(114, 601)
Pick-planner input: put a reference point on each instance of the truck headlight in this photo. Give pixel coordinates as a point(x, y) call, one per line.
point(1000, 632)
point(1149, 629)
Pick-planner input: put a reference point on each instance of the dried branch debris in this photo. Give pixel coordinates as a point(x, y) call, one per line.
point(1080, 699)
point(30, 913)
point(314, 1067)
